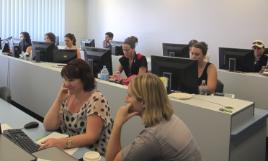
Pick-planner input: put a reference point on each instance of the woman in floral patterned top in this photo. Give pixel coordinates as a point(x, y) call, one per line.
point(79, 110)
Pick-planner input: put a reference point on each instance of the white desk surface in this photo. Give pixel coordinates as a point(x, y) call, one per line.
point(16, 118)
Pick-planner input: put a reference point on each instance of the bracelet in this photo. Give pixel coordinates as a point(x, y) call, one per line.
point(69, 143)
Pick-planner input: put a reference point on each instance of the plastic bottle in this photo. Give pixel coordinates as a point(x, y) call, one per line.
point(202, 88)
point(104, 73)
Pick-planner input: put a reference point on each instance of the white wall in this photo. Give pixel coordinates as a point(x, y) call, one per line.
point(76, 18)
point(229, 23)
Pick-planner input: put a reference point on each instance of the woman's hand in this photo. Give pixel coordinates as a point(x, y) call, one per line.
point(62, 94)
point(123, 115)
point(53, 142)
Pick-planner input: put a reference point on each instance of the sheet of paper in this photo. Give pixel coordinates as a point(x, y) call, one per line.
point(58, 135)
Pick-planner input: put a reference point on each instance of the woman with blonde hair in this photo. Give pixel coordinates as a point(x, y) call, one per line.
point(165, 136)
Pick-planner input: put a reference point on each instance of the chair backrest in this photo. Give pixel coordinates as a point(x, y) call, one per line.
point(219, 87)
point(5, 94)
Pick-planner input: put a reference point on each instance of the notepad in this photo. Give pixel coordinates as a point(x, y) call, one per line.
point(58, 135)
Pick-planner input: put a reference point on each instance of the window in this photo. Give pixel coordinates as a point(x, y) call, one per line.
point(34, 16)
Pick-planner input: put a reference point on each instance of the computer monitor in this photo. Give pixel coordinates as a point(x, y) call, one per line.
point(87, 43)
point(43, 51)
point(175, 50)
point(14, 45)
point(235, 59)
point(182, 73)
point(97, 58)
point(117, 48)
point(64, 55)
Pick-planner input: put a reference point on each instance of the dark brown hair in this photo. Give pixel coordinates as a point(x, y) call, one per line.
point(79, 69)
point(51, 37)
point(71, 37)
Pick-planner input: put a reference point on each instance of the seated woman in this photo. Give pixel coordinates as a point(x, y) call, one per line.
point(207, 72)
point(131, 62)
point(70, 43)
point(165, 136)
point(258, 58)
point(25, 43)
point(79, 110)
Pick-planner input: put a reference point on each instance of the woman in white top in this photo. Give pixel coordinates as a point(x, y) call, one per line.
point(70, 43)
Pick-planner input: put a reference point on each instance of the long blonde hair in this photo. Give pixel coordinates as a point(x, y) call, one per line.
point(150, 89)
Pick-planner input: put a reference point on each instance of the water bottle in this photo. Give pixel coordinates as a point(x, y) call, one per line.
point(202, 88)
point(104, 73)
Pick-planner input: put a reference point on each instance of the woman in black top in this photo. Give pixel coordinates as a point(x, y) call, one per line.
point(25, 43)
point(131, 62)
point(207, 72)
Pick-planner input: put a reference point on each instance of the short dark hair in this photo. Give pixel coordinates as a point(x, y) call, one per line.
point(110, 34)
point(131, 41)
point(201, 45)
point(51, 37)
point(79, 69)
point(71, 37)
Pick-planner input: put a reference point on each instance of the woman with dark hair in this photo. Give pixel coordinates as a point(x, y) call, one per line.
point(131, 63)
point(207, 72)
point(79, 110)
point(70, 43)
point(25, 43)
point(50, 38)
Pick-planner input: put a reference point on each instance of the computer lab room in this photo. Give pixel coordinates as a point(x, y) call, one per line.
point(141, 80)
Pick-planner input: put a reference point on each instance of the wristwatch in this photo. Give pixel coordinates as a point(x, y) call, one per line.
point(69, 143)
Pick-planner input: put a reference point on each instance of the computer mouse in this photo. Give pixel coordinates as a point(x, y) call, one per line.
point(30, 125)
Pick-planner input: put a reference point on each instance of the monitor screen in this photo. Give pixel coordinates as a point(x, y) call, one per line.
point(97, 58)
point(43, 51)
point(175, 50)
point(64, 55)
point(235, 59)
point(182, 73)
point(117, 48)
point(87, 43)
point(14, 45)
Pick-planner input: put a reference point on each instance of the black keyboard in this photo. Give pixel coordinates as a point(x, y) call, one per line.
point(18, 137)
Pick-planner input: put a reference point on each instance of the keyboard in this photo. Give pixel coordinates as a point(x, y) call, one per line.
point(18, 137)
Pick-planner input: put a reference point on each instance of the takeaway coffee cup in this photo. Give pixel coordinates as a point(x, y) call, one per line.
point(92, 156)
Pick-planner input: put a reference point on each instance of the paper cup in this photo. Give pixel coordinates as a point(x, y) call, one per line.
point(92, 156)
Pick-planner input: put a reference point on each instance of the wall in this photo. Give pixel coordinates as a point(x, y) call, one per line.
point(225, 23)
point(76, 18)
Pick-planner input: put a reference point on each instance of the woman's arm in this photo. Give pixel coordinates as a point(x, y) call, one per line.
point(212, 78)
point(93, 131)
point(52, 120)
point(78, 54)
point(113, 152)
point(142, 70)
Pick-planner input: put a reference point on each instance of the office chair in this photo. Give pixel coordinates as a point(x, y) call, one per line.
point(5, 94)
point(219, 87)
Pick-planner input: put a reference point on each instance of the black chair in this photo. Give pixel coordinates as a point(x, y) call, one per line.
point(219, 87)
point(5, 94)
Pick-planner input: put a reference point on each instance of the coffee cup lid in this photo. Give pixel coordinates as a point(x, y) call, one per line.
point(91, 155)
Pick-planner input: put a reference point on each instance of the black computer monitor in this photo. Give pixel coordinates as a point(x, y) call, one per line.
point(237, 59)
point(14, 45)
point(87, 43)
point(64, 55)
point(43, 51)
point(116, 47)
point(182, 73)
point(175, 50)
point(97, 58)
